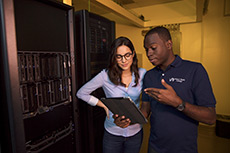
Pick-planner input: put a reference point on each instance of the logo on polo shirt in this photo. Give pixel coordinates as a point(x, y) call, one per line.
point(179, 80)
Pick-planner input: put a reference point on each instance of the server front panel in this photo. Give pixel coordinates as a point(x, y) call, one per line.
point(45, 75)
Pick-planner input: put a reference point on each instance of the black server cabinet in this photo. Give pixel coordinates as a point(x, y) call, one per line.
point(94, 35)
point(12, 132)
point(39, 77)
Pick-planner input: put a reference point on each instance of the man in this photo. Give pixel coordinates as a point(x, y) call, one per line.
point(178, 94)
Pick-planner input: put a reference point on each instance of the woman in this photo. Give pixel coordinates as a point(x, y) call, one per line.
point(122, 78)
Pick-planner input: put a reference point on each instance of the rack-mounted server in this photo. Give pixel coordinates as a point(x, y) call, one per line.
point(94, 35)
point(40, 113)
point(45, 81)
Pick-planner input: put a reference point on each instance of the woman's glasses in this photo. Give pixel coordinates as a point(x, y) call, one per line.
point(127, 56)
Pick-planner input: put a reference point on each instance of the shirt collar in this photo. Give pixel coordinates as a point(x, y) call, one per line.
point(177, 61)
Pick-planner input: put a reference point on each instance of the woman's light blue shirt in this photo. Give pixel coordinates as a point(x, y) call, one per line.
point(111, 90)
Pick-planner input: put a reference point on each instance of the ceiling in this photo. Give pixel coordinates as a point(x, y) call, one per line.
point(145, 13)
point(129, 4)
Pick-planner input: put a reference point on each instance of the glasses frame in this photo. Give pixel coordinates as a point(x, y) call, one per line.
point(126, 56)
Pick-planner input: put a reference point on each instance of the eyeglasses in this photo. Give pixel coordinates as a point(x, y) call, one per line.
point(127, 56)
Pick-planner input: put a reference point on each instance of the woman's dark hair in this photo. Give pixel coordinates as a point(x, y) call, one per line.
point(114, 71)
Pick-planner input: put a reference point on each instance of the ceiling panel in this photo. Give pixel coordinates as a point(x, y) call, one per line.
point(151, 12)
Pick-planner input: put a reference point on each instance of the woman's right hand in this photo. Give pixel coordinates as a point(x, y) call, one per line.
point(100, 104)
point(106, 111)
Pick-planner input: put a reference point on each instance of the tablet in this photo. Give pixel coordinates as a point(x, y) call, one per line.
point(124, 106)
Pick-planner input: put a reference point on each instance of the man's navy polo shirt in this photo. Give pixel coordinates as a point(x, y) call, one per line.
point(171, 130)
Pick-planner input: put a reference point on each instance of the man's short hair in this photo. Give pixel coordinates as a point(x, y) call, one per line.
point(162, 32)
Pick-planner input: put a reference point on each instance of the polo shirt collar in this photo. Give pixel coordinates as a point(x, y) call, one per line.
point(175, 63)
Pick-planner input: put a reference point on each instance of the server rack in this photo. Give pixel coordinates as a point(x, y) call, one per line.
point(38, 79)
point(94, 35)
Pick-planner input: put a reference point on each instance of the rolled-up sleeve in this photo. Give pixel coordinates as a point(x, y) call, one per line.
point(85, 91)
